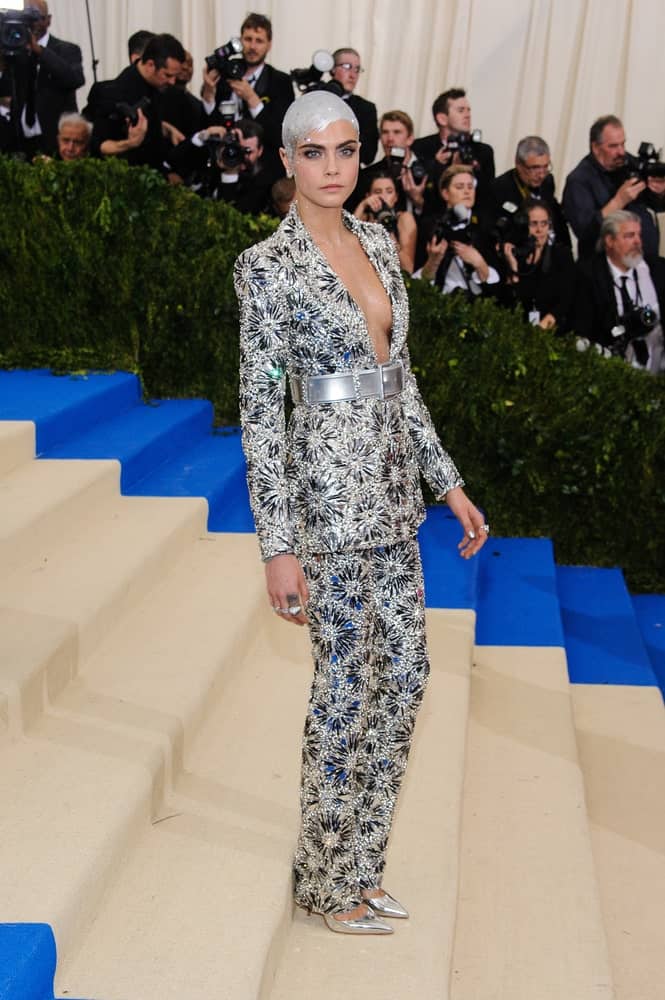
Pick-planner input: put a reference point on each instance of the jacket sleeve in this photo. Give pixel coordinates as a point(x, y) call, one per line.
point(65, 65)
point(263, 340)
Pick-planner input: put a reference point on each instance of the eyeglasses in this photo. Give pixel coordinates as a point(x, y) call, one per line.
point(538, 168)
point(350, 68)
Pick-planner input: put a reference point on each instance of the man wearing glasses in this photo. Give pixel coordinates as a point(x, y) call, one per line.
point(531, 177)
point(346, 71)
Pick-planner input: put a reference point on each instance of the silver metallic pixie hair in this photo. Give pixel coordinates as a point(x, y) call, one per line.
point(313, 112)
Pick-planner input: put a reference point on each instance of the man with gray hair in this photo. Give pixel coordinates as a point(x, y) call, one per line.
point(531, 177)
point(607, 180)
point(74, 132)
point(620, 295)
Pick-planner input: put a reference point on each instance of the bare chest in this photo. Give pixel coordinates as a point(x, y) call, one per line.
point(363, 284)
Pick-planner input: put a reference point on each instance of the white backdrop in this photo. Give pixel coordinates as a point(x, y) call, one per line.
point(530, 66)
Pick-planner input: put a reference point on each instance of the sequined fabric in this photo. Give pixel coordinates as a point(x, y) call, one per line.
point(367, 625)
point(340, 487)
point(343, 476)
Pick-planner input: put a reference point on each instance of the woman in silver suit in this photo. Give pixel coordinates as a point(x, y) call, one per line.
point(337, 502)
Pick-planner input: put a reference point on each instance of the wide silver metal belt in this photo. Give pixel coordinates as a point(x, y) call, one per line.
point(381, 382)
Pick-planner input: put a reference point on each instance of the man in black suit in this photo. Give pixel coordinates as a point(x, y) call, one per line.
point(531, 178)
point(264, 93)
point(453, 143)
point(346, 72)
point(620, 295)
point(142, 142)
point(47, 75)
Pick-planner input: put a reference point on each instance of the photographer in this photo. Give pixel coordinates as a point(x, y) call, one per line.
point(608, 180)
point(460, 255)
point(455, 143)
point(226, 163)
point(399, 161)
point(620, 296)
point(380, 206)
point(46, 75)
point(260, 92)
point(531, 178)
point(128, 117)
point(346, 71)
point(540, 272)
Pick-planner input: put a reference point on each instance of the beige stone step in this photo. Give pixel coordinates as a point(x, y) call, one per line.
point(529, 922)
point(46, 499)
point(203, 906)
point(90, 775)
point(621, 740)
point(17, 444)
point(91, 576)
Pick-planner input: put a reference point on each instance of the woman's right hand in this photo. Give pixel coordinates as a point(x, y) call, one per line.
point(436, 251)
point(287, 587)
point(368, 206)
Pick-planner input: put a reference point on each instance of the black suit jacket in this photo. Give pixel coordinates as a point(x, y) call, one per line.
point(59, 75)
point(595, 309)
point(426, 149)
point(365, 112)
point(276, 92)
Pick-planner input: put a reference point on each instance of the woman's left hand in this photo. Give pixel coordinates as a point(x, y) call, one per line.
point(475, 528)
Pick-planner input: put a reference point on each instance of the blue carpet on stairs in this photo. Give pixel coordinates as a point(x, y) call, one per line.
point(603, 640)
point(650, 613)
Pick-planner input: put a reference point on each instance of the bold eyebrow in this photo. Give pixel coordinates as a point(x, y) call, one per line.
point(340, 145)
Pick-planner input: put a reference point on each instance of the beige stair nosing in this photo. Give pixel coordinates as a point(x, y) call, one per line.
point(38, 658)
point(621, 738)
point(48, 497)
point(524, 784)
point(17, 444)
point(119, 553)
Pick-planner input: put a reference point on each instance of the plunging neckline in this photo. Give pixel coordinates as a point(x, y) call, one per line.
point(349, 296)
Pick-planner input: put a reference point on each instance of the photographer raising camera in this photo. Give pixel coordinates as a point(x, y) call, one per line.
point(380, 205)
point(460, 255)
point(541, 273)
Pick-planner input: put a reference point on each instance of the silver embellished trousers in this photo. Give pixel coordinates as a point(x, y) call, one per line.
point(367, 627)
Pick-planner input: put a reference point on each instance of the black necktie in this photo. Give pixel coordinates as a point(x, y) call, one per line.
point(627, 306)
point(626, 301)
point(31, 96)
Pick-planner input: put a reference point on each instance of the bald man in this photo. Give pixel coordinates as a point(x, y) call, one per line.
point(48, 75)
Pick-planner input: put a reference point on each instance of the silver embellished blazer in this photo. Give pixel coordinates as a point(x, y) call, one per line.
point(342, 476)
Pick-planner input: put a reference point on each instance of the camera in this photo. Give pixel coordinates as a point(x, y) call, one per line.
point(227, 150)
point(310, 78)
point(131, 111)
point(631, 328)
point(396, 158)
point(646, 164)
point(386, 217)
point(462, 143)
point(16, 29)
point(454, 225)
point(512, 226)
point(228, 60)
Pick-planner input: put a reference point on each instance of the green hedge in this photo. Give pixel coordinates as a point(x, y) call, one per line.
point(106, 267)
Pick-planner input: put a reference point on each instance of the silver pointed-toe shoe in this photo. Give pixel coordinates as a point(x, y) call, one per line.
point(387, 906)
point(369, 923)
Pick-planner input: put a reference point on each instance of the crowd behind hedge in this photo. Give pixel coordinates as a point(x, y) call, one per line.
point(107, 267)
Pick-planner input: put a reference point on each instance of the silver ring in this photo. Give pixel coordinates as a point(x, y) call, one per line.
point(486, 528)
point(281, 611)
point(471, 533)
point(294, 609)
